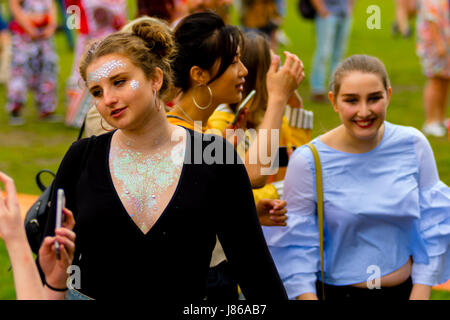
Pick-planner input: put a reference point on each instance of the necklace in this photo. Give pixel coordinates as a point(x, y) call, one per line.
point(178, 106)
point(130, 142)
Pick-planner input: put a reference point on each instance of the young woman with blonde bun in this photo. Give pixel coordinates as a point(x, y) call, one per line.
point(142, 199)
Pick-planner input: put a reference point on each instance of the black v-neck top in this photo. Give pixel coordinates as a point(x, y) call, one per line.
point(171, 261)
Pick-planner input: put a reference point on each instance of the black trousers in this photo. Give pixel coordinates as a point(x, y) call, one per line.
point(349, 293)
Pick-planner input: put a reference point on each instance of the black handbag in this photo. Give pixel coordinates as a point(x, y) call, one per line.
point(306, 9)
point(36, 217)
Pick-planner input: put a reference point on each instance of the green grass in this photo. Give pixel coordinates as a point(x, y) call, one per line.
point(35, 146)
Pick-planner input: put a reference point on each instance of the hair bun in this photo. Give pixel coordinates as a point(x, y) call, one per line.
point(157, 36)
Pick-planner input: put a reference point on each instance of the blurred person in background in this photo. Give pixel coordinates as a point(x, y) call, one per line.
point(262, 16)
point(186, 7)
point(5, 49)
point(433, 48)
point(332, 24)
point(98, 19)
point(34, 62)
point(161, 9)
point(404, 11)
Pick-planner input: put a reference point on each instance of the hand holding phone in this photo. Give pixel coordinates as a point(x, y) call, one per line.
point(241, 107)
point(60, 204)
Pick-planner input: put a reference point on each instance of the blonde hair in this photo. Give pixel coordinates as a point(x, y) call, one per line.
point(147, 42)
point(362, 63)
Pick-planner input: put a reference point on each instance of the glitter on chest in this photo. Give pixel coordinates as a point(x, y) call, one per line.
point(141, 180)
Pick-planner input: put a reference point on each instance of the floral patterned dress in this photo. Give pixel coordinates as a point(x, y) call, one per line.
point(438, 12)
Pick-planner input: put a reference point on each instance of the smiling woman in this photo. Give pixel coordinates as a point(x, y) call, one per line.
point(385, 208)
point(141, 210)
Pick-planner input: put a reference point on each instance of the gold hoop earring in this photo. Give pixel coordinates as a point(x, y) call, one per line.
point(210, 97)
point(101, 124)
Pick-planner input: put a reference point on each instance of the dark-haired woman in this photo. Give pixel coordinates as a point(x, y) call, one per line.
point(145, 229)
point(208, 71)
point(295, 127)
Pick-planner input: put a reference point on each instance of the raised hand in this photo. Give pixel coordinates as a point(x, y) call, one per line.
point(11, 225)
point(282, 82)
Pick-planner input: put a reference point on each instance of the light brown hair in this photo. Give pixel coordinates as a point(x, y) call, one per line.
point(149, 44)
point(257, 59)
point(361, 63)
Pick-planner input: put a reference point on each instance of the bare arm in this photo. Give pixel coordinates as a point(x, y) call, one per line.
point(281, 85)
point(320, 7)
point(351, 5)
point(22, 19)
point(420, 292)
point(51, 27)
point(26, 276)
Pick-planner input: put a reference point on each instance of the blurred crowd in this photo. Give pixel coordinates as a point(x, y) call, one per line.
point(28, 59)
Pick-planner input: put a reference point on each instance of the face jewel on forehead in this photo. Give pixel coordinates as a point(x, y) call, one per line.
point(105, 70)
point(134, 84)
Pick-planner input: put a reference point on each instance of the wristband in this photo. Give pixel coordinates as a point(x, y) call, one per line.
point(55, 289)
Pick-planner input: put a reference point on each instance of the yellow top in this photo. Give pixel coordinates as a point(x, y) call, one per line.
point(177, 120)
point(289, 137)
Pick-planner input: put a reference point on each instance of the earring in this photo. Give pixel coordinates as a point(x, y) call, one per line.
point(101, 124)
point(210, 97)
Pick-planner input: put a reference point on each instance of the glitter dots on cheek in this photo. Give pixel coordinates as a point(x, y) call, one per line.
point(105, 70)
point(134, 84)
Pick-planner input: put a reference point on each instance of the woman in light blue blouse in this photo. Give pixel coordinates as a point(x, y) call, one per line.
point(387, 214)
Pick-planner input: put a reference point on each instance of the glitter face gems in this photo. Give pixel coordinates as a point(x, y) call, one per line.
point(134, 84)
point(105, 70)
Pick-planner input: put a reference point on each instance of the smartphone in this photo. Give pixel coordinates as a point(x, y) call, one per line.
point(60, 204)
point(242, 106)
